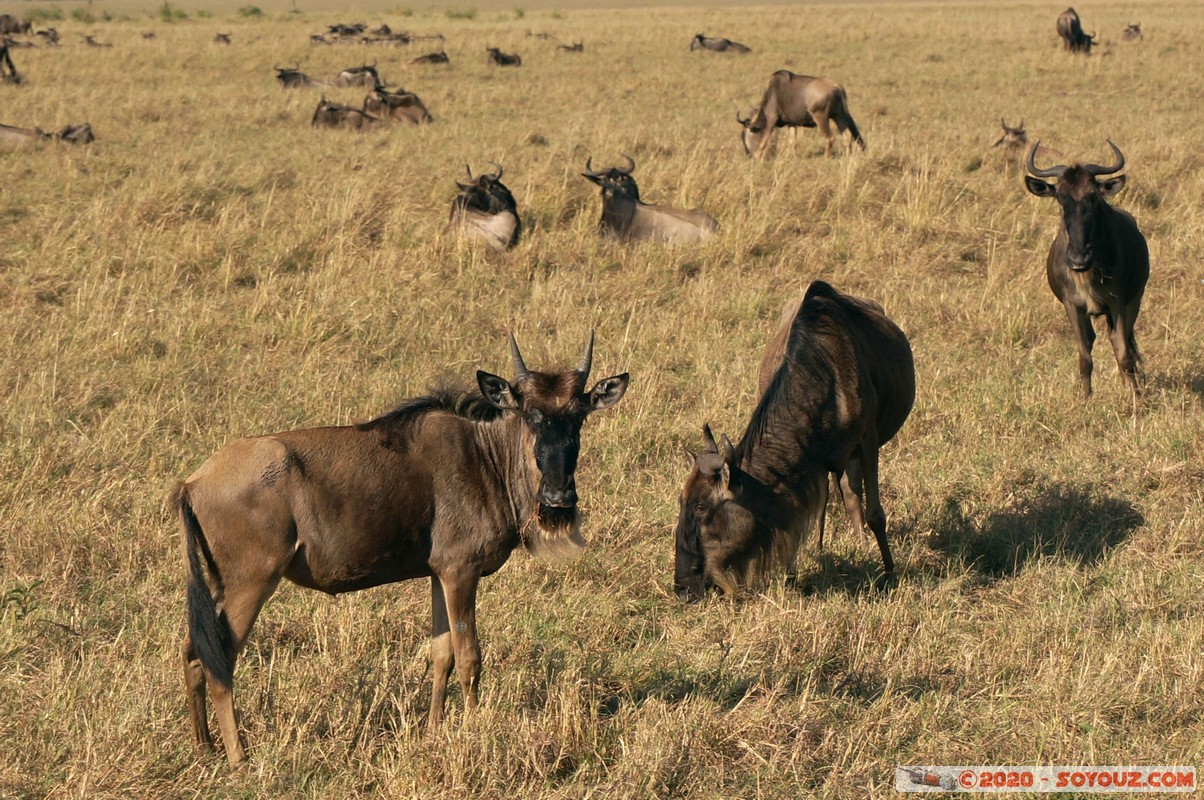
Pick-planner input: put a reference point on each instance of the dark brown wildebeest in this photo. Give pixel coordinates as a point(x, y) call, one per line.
point(1070, 28)
point(444, 487)
point(344, 31)
point(330, 114)
point(799, 101)
point(1132, 32)
point(1098, 263)
point(294, 78)
point(75, 134)
point(498, 58)
point(397, 106)
point(575, 47)
point(221, 38)
point(8, 70)
point(148, 35)
point(432, 58)
point(358, 76)
point(716, 44)
point(485, 210)
point(628, 218)
point(844, 387)
point(319, 39)
point(50, 37)
point(90, 41)
point(14, 25)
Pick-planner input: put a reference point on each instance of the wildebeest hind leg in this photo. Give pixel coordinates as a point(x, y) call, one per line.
point(849, 485)
point(825, 129)
point(1124, 347)
point(443, 657)
point(194, 687)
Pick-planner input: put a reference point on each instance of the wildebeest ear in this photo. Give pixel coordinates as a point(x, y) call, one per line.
point(497, 391)
point(607, 392)
point(1111, 187)
point(1039, 187)
point(691, 459)
point(731, 482)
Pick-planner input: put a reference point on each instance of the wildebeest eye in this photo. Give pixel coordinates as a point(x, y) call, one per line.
point(535, 416)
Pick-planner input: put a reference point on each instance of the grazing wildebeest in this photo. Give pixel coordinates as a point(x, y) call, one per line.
point(432, 58)
point(445, 486)
point(75, 134)
point(1070, 28)
point(501, 59)
point(799, 101)
point(485, 210)
point(1098, 263)
point(13, 24)
point(718, 45)
point(330, 114)
point(627, 217)
point(293, 78)
point(358, 76)
point(8, 70)
point(398, 106)
point(221, 38)
point(1132, 32)
point(575, 47)
point(845, 385)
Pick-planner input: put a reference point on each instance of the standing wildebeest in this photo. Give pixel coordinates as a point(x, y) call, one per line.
point(794, 101)
point(13, 24)
point(8, 70)
point(484, 209)
point(1071, 31)
point(627, 217)
point(845, 385)
point(701, 42)
point(396, 106)
point(445, 486)
point(1098, 263)
point(293, 78)
point(358, 76)
point(330, 114)
point(1132, 32)
point(432, 58)
point(501, 59)
point(75, 134)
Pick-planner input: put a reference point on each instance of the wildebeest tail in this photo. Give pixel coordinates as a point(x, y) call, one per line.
point(212, 638)
point(852, 126)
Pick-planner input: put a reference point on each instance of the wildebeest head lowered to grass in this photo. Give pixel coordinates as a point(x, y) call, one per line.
point(1070, 28)
point(799, 101)
point(1098, 263)
point(844, 387)
point(443, 487)
point(627, 217)
point(485, 209)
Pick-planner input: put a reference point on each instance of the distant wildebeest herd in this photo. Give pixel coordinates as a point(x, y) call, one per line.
point(447, 485)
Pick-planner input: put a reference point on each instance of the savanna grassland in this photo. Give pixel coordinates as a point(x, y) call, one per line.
point(212, 267)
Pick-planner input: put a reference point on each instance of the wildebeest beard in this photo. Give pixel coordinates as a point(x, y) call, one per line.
point(553, 533)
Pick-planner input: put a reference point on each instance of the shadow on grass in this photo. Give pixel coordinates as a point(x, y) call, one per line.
point(1060, 521)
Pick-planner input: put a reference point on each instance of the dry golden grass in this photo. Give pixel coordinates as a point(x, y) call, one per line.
point(212, 267)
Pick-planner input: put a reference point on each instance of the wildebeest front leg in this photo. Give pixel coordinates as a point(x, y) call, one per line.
point(460, 593)
point(443, 657)
point(1084, 334)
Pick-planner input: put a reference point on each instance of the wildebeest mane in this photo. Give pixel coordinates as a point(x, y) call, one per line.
point(469, 404)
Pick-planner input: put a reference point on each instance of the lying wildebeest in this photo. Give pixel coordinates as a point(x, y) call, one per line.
point(221, 38)
point(293, 78)
point(148, 35)
point(799, 101)
point(346, 31)
point(719, 45)
point(1132, 32)
point(75, 134)
point(1070, 28)
point(397, 106)
point(432, 58)
point(501, 59)
point(50, 37)
point(627, 217)
point(91, 42)
point(15, 25)
point(485, 210)
point(318, 39)
point(1098, 263)
point(575, 47)
point(358, 76)
point(1014, 142)
point(445, 486)
point(844, 387)
point(330, 114)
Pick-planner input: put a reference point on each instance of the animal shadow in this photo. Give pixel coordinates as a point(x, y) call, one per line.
point(1060, 521)
point(840, 574)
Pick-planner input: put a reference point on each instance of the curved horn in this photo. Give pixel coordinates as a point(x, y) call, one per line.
point(1052, 172)
point(729, 452)
point(520, 368)
point(498, 175)
point(468, 169)
point(587, 359)
point(709, 438)
point(1003, 122)
point(630, 165)
point(589, 170)
point(1096, 169)
point(745, 122)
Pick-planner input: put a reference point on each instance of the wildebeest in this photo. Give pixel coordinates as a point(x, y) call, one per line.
point(627, 217)
point(365, 75)
point(1070, 28)
point(1099, 261)
point(330, 114)
point(293, 78)
point(485, 210)
point(345, 31)
point(14, 24)
point(8, 70)
point(75, 134)
point(148, 35)
point(221, 38)
point(844, 387)
point(501, 59)
point(443, 487)
point(432, 58)
point(397, 106)
point(1132, 32)
point(799, 101)
point(575, 47)
point(1014, 142)
point(90, 41)
point(717, 44)
point(50, 37)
